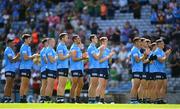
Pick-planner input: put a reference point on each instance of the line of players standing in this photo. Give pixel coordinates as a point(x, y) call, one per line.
point(149, 81)
point(57, 64)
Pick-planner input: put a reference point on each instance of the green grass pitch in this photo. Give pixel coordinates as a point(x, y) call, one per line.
point(87, 106)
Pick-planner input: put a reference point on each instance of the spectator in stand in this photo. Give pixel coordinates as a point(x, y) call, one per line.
point(169, 16)
point(111, 10)
point(175, 64)
point(161, 17)
point(154, 17)
point(103, 11)
point(11, 34)
point(115, 38)
point(136, 9)
point(125, 32)
point(94, 28)
point(85, 16)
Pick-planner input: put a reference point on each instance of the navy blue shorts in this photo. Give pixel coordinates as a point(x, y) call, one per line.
point(161, 76)
point(104, 73)
point(144, 76)
point(44, 74)
point(151, 76)
point(63, 72)
point(136, 75)
point(10, 74)
point(25, 73)
point(76, 73)
point(94, 72)
point(51, 74)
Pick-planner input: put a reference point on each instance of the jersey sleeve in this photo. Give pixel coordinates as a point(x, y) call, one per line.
point(59, 50)
point(24, 50)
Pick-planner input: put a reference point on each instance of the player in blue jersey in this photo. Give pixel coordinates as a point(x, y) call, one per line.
point(94, 55)
point(161, 74)
point(77, 68)
point(104, 70)
point(152, 73)
point(25, 66)
point(43, 70)
point(51, 68)
point(9, 59)
point(143, 89)
point(62, 66)
point(137, 68)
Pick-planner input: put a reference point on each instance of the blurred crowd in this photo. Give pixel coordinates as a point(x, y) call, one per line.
point(48, 18)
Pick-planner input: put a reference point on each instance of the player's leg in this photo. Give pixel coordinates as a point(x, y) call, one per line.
point(79, 88)
point(135, 86)
point(25, 75)
point(93, 86)
point(164, 89)
point(158, 88)
point(51, 76)
point(100, 92)
point(62, 79)
point(101, 89)
point(8, 87)
point(43, 86)
point(74, 81)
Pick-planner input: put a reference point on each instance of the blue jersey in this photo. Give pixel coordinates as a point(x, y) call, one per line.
point(78, 65)
point(93, 63)
point(43, 62)
point(25, 64)
point(62, 49)
point(105, 64)
point(152, 65)
point(160, 66)
point(51, 52)
point(136, 66)
point(9, 66)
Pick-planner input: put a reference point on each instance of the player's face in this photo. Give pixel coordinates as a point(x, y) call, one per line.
point(161, 45)
point(46, 44)
point(66, 38)
point(95, 40)
point(12, 44)
point(52, 42)
point(105, 42)
point(29, 39)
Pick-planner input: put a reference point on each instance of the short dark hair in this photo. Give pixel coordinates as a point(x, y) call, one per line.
point(142, 39)
point(136, 39)
point(74, 37)
point(103, 39)
point(9, 40)
point(91, 37)
point(25, 36)
point(148, 40)
point(62, 35)
point(153, 44)
point(159, 41)
point(44, 40)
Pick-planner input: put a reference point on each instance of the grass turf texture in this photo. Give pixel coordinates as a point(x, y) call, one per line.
point(87, 106)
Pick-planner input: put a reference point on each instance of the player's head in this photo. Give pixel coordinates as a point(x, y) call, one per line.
point(104, 41)
point(153, 46)
point(10, 42)
point(148, 41)
point(93, 38)
point(143, 43)
point(27, 38)
point(136, 41)
point(63, 37)
point(160, 43)
point(51, 42)
point(45, 42)
point(76, 39)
